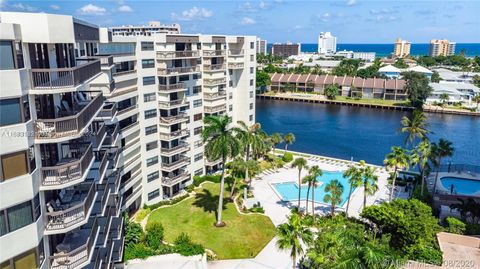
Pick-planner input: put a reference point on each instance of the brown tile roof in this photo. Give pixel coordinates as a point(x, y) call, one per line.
point(358, 82)
point(320, 80)
point(368, 83)
point(379, 83)
point(339, 80)
point(293, 78)
point(312, 78)
point(303, 78)
point(329, 80)
point(285, 77)
point(400, 84)
point(390, 84)
point(348, 81)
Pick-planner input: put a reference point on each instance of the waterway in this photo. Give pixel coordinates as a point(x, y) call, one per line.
point(362, 133)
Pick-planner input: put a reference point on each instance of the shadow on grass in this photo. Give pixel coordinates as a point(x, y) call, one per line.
point(208, 202)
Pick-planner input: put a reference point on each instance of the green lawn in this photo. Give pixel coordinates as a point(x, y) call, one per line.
point(373, 101)
point(243, 237)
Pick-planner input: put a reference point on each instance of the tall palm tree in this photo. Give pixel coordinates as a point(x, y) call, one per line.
point(421, 156)
point(240, 167)
point(288, 139)
point(476, 99)
point(252, 138)
point(276, 139)
point(314, 172)
point(416, 126)
point(307, 180)
point(221, 142)
point(291, 235)
point(397, 159)
point(441, 150)
point(354, 176)
point(299, 163)
point(370, 180)
point(334, 191)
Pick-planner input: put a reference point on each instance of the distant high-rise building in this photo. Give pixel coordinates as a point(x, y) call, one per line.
point(402, 48)
point(285, 50)
point(261, 46)
point(327, 43)
point(441, 47)
point(153, 27)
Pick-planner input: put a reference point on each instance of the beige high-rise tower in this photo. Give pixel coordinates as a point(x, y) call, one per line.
point(402, 48)
point(441, 47)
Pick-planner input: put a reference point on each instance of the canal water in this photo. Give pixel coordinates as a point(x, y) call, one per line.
point(362, 133)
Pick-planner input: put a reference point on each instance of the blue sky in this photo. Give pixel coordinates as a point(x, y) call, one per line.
point(352, 21)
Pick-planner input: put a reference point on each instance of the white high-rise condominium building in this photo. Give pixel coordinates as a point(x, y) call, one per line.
point(153, 27)
point(327, 43)
point(87, 135)
point(261, 46)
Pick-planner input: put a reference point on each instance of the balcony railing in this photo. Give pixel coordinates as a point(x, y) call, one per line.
point(71, 214)
point(126, 72)
point(178, 70)
point(125, 110)
point(235, 65)
point(174, 119)
point(69, 125)
point(133, 194)
point(112, 135)
point(234, 52)
point(79, 255)
point(171, 104)
point(128, 127)
point(214, 81)
point(48, 79)
point(177, 54)
point(172, 87)
point(213, 53)
point(98, 132)
point(112, 85)
point(67, 170)
point(215, 96)
point(214, 67)
point(106, 60)
point(176, 164)
point(176, 149)
point(215, 109)
point(174, 134)
point(108, 111)
point(170, 181)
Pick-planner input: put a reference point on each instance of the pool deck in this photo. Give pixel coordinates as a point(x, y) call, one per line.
point(442, 190)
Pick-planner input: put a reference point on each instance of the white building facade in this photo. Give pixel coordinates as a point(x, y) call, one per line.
point(153, 27)
point(327, 43)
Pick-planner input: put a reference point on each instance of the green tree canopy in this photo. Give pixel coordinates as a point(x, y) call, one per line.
point(331, 91)
point(417, 88)
point(263, 79)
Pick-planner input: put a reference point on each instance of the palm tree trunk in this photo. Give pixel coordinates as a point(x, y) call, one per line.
point(306, 202)
point(232, 191)
point(423, 181)
point(333, 209)
point(348, 201)
point(294, 260)
point(436, 177)
point(393, 183)
point(286, 146)
point(299, 186)
point(365, 192)
point(220, 197)
point(313, 202)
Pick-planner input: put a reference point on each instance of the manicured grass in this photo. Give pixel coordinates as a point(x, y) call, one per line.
point(373, 101)
point(243, 237)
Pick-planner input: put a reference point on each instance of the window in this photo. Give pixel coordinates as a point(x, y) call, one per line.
point(252, 45)
point(183, 78)
point(197, 130)
point(152, 145)
point(251, 70)
point(154, 194)
point(152, 176)
point(145, 46)
point(251, 82)
point(252, 58)
point(197, 117)
point(152, 161)
point(6, 50)
point(230, 72)
point(13, 112)
point(230, 108)
point(195, 76)
point(198, 157)
point(197, 144)
point(230, 83)
point(251, 94)
point(251, 106)
point(148, 63)
point(150, 130)
point(198, 172)
point(151, 113)
point(197, 103)
point(197, 89)
point(149, 97)
point(251, 117)
point(14, 165)
point(148, 80)
point(30, 259)
point(230, 95)
point(20, 216)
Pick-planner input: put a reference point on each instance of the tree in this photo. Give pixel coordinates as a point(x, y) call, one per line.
point(476, 80)
point(444, 97)
point(307, 180)
point(416, 126)
point(221, 142)
point(252, 138)
point(347, 67)
point(154, 235)
point(439, 151)
point(397, 159)
point(276, 139)
point(331, 91)
point(300, 163)
point(421, 157)
point(400, 63)
point(262, 79)
point(133, 232)
point(334, 191)
point(288, 139)
point(469, 210)
point(354, 176)
point(476, 99)
point(435, 77)
point(417, 88)
point(370, 186)
point(290, 236)
point(314, 172)
point(240, 168)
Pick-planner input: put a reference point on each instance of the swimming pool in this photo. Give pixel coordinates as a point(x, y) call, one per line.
point(461, 185)
point(289, 190)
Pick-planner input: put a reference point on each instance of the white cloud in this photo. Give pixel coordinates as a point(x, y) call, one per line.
point(194, 13)
point(92, 10)
point(249, 7)
point(55, 7)
point(124, 8)
point(23, 7)
point(351, 2)
point(247, 21)
point(382, 11)
point(325, 17)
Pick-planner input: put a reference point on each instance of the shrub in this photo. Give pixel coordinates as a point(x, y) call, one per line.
point(278, 163)
point(472, 229)
point(133, 233)
point(138, 251)
point(185, 247)
point(154, 236)
point(190, 188)
point(142, 213)
point(257, 210)
point(287, 157)
point(197, 180)
point(425, 253)
point(455, 225)
point(167, 202)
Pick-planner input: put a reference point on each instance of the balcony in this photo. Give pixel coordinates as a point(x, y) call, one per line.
point(61, 78)
point(97, 134)
point(112, 134)
point(75, 249)
point(215, 96)
point(71, 209)
point(214, 67)
point(172, 87)
point(235, 53)
point(174, 135)
point(168, 55)
point(108, 111)
point(171, 181)
point(214, 81)
point(171, 166)
point(175, 71)
point(106, 60)
point(174, 119)
point(235, 65)
point(180, 148)
point(133, 196)
point(69, 170)
point(172, 104)
point(212, 163)
point(213, 53)
point(215, 109)
point(123, 73)
point(71, 126)
point(122, 111)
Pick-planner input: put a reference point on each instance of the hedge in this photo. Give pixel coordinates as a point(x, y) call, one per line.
point(455, 225)
point(197, 180)
point(166, 202)
point(287, 157)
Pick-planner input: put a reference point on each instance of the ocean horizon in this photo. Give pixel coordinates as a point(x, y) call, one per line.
point(382, 50)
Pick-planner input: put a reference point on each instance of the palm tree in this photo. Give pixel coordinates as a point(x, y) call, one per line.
point(444, 97)
point(354, 175)
point(476, 99)
point(307, 180)
point(397, 159)
point(314, 172)
point(334, 190)
point(370, 186)
point(222, 143)
point(276, 139)
point(439, 151)
point(288, 139)
point(252, 138)
point(421, 156)
point(290, 236)
point(240, 167)
point(299, 163)
point(415, 127)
